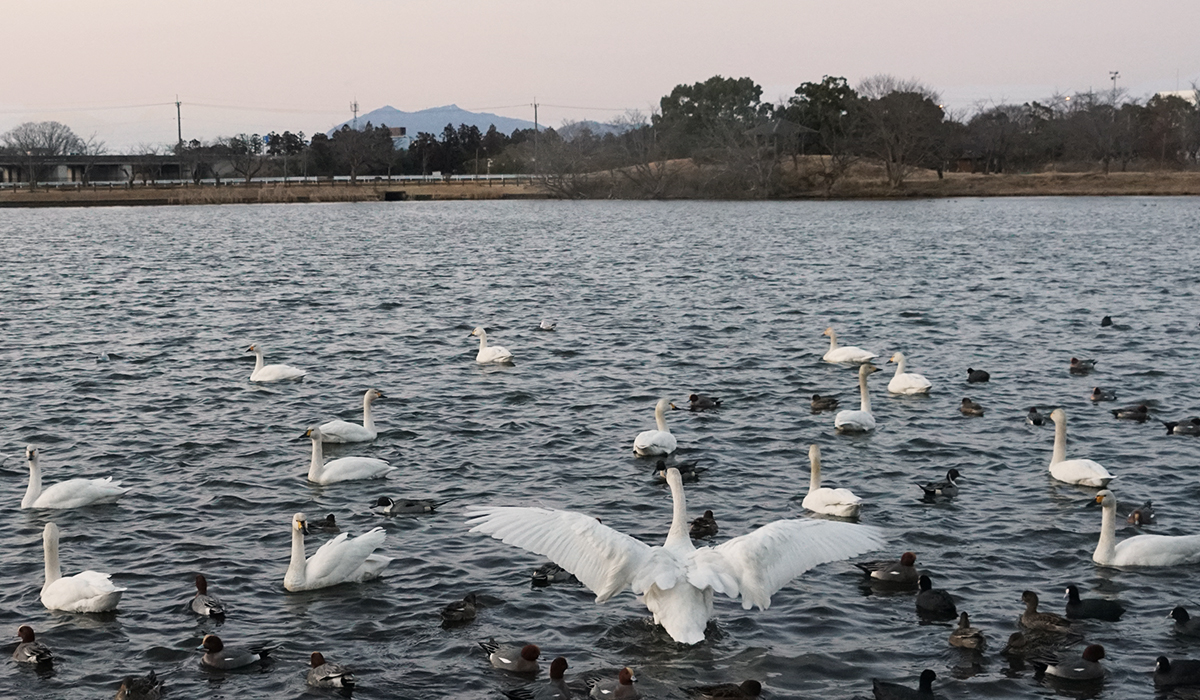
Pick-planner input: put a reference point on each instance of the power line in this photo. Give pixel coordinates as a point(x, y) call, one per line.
point(83, 109)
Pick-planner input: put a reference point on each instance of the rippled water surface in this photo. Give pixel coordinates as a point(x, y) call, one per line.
point(652, 300)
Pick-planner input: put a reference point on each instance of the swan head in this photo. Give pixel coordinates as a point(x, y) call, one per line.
point(300, 522)
point(1105, 498)
point(211, 643)
point(866, 369)
point(558, 667)
point(828, 332)
point(478, 332)
point(530, 652)
point(317, 660)
point(814, 453)
point(50, 534)
point(254, 349)
point(674, 478)
point(315, 434)
point(31, 453)
point(374, 394)
point(897, 358)
point(25, 632)
point(1058, 416)
point(662, 405)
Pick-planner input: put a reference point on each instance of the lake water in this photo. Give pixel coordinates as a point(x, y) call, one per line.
point(652, 299)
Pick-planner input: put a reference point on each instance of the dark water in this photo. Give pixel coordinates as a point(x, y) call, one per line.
point(652, 300)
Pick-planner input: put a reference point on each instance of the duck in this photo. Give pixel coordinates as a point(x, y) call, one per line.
point(1099, 395)
point(329, 524)
point(824, 403)
point(660, 442)
point(322, 674)
point(1079, 366)
point(860, 421)
point(1091, 608)
point(460, 611)
point(970, 408)
point(1142, 516)
point(1184, 624)
point(1035, 643)
point(677, 580)
point(547, 325)
point(688, 470)
point(966, 636)
point(977, 376)
point(700, 402)
point(204, 604)
point(933, 602)
point(523, 659)
point(846, 354)
point(85, 592)
point(1138, 412)
point(947, 487)
point(555, 688)
point(147, 687)
point(884, 690)
point(218, 656)
point(407, 506)
point(1083, 472)
point(841, 503)
point(271, 373)
point(490, 355)
point(72, 493)
point(31, 651)
point(345, 431)
point(609, 689)
point(904, 382)
point(1190, 426)
point(1035, 418)
point(1168, 674)
point(901, 573)
point(1139, 550)
point(704, 527)
point(549, 573)
point(1084, 668)
point(726, 691)
point(1031, 619)
point(340, 560)
point(343, 468)
point(1106, 322)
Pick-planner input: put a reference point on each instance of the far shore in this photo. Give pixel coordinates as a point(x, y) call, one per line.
point(924, 184)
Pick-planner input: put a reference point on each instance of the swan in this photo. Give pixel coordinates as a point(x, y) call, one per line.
point(73, 493)
point(848, 353)
point(345, 431)
point(1083, 472)
point(1139, 550)
point(271, 373)
point(653, 443)
point(343, 469)
point(906, 382)
point(340, 560)
point(677, 580)
point(860, 421)
point(87, 591)
point(490, 355)
point(839, 502)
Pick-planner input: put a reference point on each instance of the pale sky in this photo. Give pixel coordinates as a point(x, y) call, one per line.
point(114, 68)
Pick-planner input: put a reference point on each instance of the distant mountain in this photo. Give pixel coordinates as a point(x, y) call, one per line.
point(434, 119)
point(572, 129)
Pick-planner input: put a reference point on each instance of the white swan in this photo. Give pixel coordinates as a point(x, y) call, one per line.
point(86, 591)
point(340, 560)
point(848, 353)
point(860, 421)
point(345, 431)
point(839, 502)
point(490, 354)
point(653, 443)
point(1140, 550)
point(906, 382)
point(343, 469)
point(677, 580)
point(1083, 472)
point(72, 493)
point(271, 373)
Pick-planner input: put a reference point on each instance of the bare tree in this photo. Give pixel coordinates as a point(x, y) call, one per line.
point(901, 123)
point(647, 170)
point(247, 155)
point(37, 142)
point(90, 150)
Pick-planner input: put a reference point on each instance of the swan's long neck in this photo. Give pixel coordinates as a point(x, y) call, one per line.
point(295, 572)
point(901, 365)
point(1106, 548)
point(862, 391)
point(53, 570)
point(258, 360)
point(814, 480)
point(35, 484)
point(482, 341)
point(660, 419)
point(318, 461)
point(1060, 442)
point(368, 423)
point(678, 536)
point(832, 341)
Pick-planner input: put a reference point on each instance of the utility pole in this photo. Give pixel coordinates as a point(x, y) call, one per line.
point(1114, 75)
point(354, 108)
point(535, 136)
point(178, 126)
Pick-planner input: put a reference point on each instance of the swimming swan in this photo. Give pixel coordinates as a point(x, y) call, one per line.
point(86, 591)
point(340, 560)
point(860, 421)
point(271, 373)
point(839, 502)
point(652, 443)
point(906, 382)
point(343, 469)
point(1139, 550)
point(1083, 472)
point(848, 353)
point(677, 580)
point(490, 355)
point(345, 431)
point(73, 493)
